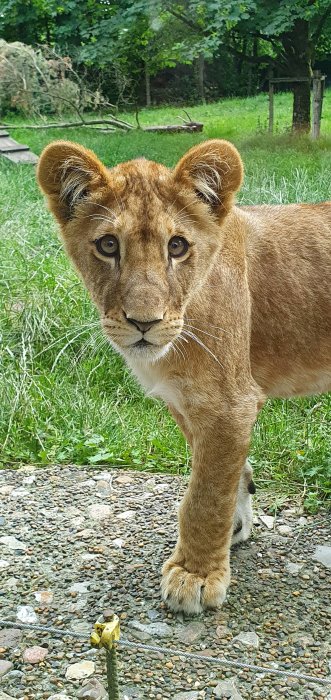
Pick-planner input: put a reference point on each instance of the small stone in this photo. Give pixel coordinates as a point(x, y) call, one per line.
point(250, 639)
point(127, 515)
point(104, 488)
point(4, 696)
point(25, 613)
point(44, 597)
point(124, 480)
point(34, 655)
point(293, 568)
point(2, 520)
point(129, 692)
point(323, 555)
point(5, 666)
point(99, 511)
point(155, 629)
point(58, 696)
point(79, 587)
point(118, 543)
point(83, 669)
point(4, 564)
point(103, 476)
point(268, 521)
point(93, 690)
point(227, 689)
point(187, 695)
point(10, 638)
point(284, 529)
point(28, 480)
point(12, 543)
point(81, 627)
point(189, 633)
point(20, 493)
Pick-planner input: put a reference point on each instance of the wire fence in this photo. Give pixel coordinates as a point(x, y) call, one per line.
point(110, 646)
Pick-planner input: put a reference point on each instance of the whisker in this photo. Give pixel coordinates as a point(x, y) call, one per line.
point(207, 324)
point(199, 342)
point(201, 331)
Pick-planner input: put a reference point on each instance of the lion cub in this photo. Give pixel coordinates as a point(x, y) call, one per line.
point(213, 307)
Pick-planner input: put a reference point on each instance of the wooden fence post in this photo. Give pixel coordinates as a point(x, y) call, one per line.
point(271, 105)
point(317, 103)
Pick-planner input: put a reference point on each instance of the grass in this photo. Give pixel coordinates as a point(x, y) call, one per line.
point(64, 394)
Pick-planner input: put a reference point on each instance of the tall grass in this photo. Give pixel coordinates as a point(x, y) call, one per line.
point(64, 394)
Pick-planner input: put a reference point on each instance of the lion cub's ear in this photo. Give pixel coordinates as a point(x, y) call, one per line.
point(69, 173)
point(214, 170)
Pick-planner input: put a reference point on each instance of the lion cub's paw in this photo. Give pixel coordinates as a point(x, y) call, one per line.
point(191, 593)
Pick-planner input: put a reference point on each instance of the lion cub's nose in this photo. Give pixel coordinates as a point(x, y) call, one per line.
point(143, 326)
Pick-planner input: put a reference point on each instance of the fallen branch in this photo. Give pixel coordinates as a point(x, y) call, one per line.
point(173, 128)
point(66, 125)
point(117, 123)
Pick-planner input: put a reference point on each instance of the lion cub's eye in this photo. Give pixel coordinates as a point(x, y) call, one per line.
point(177, 246)
point(107, 246)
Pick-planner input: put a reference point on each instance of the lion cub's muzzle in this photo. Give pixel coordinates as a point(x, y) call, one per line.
point(145, 338)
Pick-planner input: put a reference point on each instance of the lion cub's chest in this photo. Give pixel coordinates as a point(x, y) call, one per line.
point(157, 385)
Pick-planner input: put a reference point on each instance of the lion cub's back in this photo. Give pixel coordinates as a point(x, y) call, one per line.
point(289, 270)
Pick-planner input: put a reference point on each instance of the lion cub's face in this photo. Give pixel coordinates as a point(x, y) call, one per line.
point(142, 237)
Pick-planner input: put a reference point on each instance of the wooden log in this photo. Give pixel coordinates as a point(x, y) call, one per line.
point(174, 128)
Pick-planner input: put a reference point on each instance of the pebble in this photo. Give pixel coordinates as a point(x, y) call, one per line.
point(190, 695)
point(124, 480)
point(250, 639)
point(4, 696)
point(12, 543)
point(154, 629)
point(34, 655)
point(83, 669)
point(5, 666)
point(80, 587)
point(93, 690)
point(293, 568)
point(4, 564)
point(268, 521)
point(104, 489)
point(10, 638)
point(58, 696)
point(99, 511)
point(25, 613)
point(323, 555)
point(227, 689)
point(189, 633)
point(284, 529)
point(44, 597)
point(129, 692)
point(127, 515)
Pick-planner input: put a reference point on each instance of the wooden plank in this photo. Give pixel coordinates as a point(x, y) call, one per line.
point(290, 80)
point(13, 147)
point(20, 157)
point(4, 132)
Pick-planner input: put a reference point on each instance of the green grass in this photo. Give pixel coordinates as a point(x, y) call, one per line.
point(64, 394)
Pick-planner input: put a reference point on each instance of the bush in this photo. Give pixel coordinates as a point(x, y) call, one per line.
point(31, 84)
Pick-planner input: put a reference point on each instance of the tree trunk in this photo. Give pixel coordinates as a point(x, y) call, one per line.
point(148, 85)
point(297, 48)
point(200, 72)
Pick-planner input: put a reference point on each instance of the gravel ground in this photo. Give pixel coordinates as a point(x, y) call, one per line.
point(74, 542)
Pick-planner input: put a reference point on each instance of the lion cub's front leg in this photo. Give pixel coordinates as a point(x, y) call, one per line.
point(197, 574)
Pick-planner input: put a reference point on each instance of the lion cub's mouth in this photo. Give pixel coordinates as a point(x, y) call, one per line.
point(142, 343)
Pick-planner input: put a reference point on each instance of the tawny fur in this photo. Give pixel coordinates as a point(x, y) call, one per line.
point(244, 314)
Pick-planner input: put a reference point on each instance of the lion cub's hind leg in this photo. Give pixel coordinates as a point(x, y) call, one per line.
point(243, 519)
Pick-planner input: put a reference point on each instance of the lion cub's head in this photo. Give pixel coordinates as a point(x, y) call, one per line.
point(143, 237)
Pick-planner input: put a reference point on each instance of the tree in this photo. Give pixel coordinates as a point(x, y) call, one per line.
point(293, 29)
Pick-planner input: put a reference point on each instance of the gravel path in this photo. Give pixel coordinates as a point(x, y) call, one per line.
point(74, 542)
